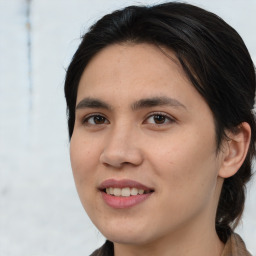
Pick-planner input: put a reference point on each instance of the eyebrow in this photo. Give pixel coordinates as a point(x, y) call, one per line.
point(156, 101)
point(143, 103)
point(92, 103)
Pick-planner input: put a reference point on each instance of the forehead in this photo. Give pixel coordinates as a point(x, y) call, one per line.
point(137, 62)
point(128, 72)
point(129, 56)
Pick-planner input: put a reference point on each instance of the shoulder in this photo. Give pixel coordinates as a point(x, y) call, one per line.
point(106, 249)
point(235, 246)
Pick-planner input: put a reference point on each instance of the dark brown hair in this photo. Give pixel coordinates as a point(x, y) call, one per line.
point(213, 56)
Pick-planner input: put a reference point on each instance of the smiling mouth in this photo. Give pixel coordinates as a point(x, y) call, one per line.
point(125, 192)
point(126, 197)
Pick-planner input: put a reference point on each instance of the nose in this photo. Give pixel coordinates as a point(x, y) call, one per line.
point(121, 149)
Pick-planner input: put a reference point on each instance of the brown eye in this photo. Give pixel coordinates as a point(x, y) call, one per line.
point(159, 119)
point(95, 120)
point(99, 119)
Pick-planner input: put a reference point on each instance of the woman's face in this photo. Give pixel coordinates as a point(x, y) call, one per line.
point(143, 150)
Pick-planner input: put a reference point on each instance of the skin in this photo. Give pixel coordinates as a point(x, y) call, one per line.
point(175, 156)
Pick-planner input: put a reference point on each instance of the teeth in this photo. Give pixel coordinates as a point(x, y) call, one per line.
point(125, 192)
point(141, 191)
point(134, 191)
point(117, 191)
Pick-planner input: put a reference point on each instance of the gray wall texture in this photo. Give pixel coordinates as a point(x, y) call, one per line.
point(40, 213)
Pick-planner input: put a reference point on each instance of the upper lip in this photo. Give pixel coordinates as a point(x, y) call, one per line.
point(124, 183)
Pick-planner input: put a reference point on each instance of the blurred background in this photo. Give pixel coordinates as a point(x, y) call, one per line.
point(40, 213)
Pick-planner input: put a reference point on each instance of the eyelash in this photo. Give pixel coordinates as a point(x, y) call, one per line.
point(86, 119)
point(169, 119)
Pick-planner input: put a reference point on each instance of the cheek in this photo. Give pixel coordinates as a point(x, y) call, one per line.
point(187, 165)
point(84, 162)
point(83, 158)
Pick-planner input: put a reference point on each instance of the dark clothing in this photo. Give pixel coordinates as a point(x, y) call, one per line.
point(234, 247)
point(106, 249)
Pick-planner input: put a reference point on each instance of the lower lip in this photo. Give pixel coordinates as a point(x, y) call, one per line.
point(121, 202)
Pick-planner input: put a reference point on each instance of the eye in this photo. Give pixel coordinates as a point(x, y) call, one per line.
point(95, 120)
point(159, 119)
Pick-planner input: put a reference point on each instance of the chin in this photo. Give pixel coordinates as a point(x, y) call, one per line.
point(126, 235)
point(132, 239)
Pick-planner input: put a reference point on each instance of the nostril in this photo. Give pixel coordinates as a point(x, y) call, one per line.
point(118, 156)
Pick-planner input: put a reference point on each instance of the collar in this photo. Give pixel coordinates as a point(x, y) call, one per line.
point(235, 247)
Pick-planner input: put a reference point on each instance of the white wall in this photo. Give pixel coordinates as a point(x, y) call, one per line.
point(40, 213)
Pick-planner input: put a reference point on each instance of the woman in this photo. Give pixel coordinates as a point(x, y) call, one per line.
point(162, 132)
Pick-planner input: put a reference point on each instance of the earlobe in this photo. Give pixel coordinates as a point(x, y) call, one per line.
point(235, 150)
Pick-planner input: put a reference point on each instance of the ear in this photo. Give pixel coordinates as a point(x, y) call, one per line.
point(235, 150)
